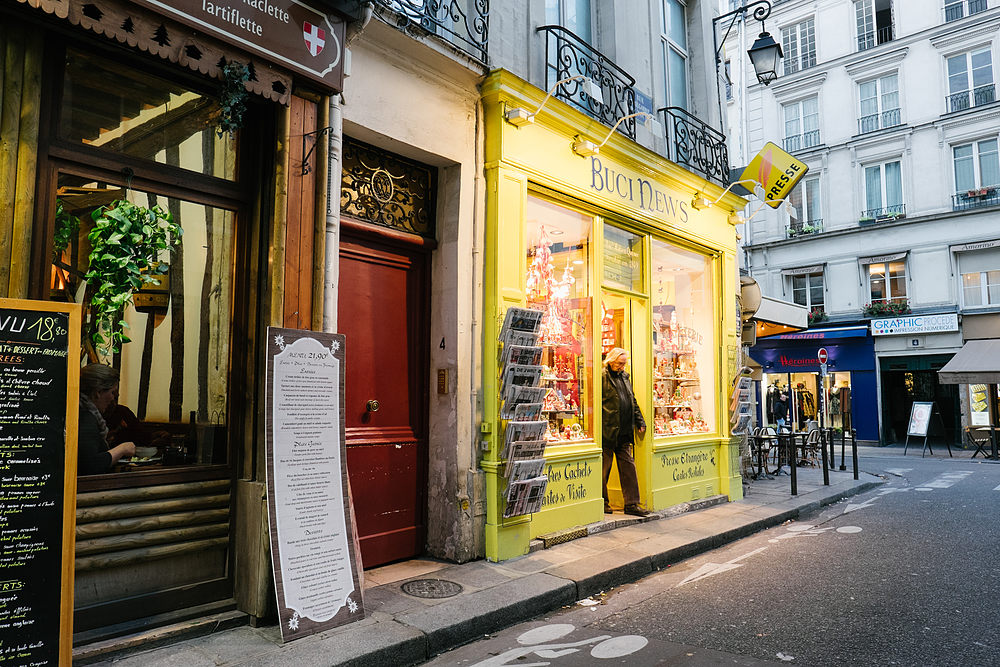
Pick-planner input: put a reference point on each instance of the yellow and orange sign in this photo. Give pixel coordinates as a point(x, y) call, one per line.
point(776, 171)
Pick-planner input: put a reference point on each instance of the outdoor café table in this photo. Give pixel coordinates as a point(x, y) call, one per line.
point(763, 444)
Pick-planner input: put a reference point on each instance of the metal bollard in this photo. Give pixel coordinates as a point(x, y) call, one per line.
point(843, 439)
point(793, 463)
point(833, 449)
point(826, 471)
point(854, 449)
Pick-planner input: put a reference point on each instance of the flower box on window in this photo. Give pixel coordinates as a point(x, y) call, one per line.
point(980, 192)
point(886, 309)
point(817, 315)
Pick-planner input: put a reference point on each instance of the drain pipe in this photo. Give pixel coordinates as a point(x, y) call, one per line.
point(331, 259)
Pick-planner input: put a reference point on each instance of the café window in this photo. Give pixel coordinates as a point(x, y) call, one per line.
point(173, 397)
point(115, 108)
point(684, 346)
point(557, 270)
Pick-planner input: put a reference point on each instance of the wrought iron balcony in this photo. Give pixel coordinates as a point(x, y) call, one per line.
point(804, 227)
point(978, 198)
point(802, 141)
point(696, 146)
point(873, 38)
point(463, 23)
point(879, 121)
point(567, 55)
point(956, 10)
point(968, 99)
point(878, 215)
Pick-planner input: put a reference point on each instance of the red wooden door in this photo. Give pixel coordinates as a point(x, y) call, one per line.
point(383, 311)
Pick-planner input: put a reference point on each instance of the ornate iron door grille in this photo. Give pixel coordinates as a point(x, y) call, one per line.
point(388, 189)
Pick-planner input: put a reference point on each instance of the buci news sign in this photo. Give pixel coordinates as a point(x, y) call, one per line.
point(915, 324)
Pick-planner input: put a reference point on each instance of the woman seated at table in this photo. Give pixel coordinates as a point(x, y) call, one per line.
point(98, 390)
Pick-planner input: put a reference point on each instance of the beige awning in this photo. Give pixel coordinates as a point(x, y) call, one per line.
point(774, 316)
point(978, 362)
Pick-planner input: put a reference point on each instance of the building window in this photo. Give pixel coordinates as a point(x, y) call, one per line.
point(804, 198)
point(575, 16)
point(883, 191)
point(874, 19)
point(970, 80)
point(879, 104)
point(977, 167)
point(673, 37)
point(801, 124)
point(798, 43)
point(956, 9)
point(729, 80)
point(807, 290)
point(887, 282)
point(980, 278)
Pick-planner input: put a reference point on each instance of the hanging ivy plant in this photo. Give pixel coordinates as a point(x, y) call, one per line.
point(233, 96)
point(127, 242)
point(67, 227)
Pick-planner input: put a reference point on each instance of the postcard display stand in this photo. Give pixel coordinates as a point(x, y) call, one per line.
point(522, 426)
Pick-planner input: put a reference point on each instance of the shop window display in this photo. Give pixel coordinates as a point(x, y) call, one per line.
point(683, 326)
point(557, 283)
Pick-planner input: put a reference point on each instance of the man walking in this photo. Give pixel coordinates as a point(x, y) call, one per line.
point(622, 418)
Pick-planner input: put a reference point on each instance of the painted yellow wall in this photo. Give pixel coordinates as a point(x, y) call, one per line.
point(648, 194)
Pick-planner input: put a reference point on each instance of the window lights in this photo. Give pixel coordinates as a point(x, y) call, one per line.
point(970, 80)
point(673, 37)
point(879, 104)
point(801, 124)
point(874, 21)
point(887, 282)
point(799, 45)
point(980, 278)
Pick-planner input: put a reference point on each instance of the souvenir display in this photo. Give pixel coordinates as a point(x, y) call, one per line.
point(676, 382)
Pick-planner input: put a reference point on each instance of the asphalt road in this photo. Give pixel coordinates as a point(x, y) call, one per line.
point(903, 575)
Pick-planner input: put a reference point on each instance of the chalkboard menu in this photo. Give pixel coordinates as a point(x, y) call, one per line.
point(316, 565)
point(39, 384)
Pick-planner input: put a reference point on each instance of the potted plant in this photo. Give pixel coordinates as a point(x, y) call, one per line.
point(817, 315)
point(886, 309)
point(131, 245)
point(865, 220)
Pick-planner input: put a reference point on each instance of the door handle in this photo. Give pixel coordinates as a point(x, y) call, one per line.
point(372, 405)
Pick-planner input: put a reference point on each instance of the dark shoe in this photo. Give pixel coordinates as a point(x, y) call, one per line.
point(608, 510)
point(635, 510)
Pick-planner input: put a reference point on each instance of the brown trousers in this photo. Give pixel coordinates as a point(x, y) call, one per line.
point(626, 472)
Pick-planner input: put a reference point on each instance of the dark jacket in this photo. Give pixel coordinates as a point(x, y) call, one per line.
point(93, 457)
point(780, 409)
point(609, 409)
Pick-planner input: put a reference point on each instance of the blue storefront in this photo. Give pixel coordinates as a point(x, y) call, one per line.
point(850, 398)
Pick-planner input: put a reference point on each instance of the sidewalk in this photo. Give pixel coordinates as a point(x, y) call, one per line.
point(401, 629)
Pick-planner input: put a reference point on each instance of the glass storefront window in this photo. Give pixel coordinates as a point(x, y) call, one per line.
point(684, 321)
point(623, 259)
point(125, 111)
point(174, 372)
point(557, 269)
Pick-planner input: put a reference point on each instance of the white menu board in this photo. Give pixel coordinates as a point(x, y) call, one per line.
point(316, 570)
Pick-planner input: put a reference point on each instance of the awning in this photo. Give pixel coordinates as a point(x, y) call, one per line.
point(827, 333)
point(781, 313)
point(879, 259)
point(803, 270)
point(978, 362)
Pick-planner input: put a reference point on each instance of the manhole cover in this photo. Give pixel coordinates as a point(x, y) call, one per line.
point(431, 588)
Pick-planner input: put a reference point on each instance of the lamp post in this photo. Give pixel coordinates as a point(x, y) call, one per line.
point(765, 52)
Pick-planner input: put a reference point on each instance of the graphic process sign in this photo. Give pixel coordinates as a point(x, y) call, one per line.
point(316, 568)
point(287, 32)
point(39, 389)
point(919, 324)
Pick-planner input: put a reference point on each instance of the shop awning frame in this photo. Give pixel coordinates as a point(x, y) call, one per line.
point(978, 362)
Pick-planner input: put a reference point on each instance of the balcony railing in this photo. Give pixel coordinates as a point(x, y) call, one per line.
point(878, 215)
point(696, 146)
point(977, 198)
point(464, 23)
point(879, 121)
point(971, 98)
point(568, 55)
point(802, 141)
point(873, 38)
point(956, 10)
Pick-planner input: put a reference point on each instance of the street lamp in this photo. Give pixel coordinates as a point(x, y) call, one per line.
point(765, 52)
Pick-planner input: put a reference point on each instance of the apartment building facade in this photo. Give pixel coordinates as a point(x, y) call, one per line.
point(891, 240)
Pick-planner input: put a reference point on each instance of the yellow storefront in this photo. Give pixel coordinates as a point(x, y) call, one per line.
point(612, 250)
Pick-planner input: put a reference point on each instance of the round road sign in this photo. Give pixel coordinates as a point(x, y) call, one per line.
point(821, 355)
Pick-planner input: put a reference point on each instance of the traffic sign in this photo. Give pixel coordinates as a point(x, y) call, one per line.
point(821, 355)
